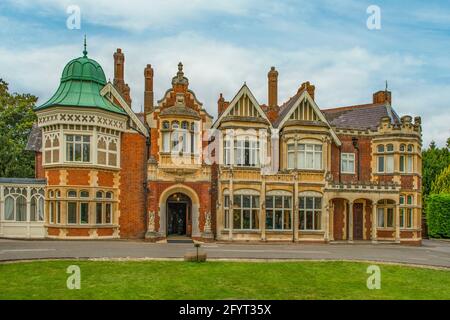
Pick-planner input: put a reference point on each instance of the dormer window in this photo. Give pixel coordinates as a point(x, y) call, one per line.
point(179, 138)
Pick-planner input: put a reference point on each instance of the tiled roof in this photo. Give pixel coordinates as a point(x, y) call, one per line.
point(362, 117)
point(286, 107)
point(34, 139)
point(23, 181)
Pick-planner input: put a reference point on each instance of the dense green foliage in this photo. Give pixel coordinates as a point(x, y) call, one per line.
point(16, 120)
point(442, 182)
point(219, 280)
point(438, 215)
point(435, 160)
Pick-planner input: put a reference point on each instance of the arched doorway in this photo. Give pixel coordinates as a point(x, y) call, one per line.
point(193, 208)
point(179, 215)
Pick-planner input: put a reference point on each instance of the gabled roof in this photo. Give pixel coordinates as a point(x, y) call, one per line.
point(360, 117)
point(34, 142)
point(289, 107)
point(109, 88)
point(244, 90)
point(286, 107)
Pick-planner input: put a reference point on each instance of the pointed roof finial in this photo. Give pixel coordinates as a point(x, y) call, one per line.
point(386, 86)
point(85, 48)
point(180, 67)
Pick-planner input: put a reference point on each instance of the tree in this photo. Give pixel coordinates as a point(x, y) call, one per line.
point(16, 120)
point(434, 161)
point(442, 182)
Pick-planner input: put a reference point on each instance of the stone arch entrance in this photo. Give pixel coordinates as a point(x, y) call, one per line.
point(179, 215)
point(179, 211)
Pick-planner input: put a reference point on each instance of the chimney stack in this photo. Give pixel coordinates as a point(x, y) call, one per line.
point(148, 93)
point(222, 105)
point(119, 76)
point(119, 65)
point(309, 88)
point(272, 87)
point(382, 97)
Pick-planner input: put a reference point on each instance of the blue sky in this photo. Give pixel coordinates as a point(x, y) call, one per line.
point(224, 43)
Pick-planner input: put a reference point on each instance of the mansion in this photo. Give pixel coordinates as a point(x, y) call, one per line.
point(289, 171)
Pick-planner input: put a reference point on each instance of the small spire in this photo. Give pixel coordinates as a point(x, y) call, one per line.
point(85, 48)
point(180, 67)
point(386, 86)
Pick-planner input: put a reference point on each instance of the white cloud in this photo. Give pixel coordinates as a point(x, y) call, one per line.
point(138, 15)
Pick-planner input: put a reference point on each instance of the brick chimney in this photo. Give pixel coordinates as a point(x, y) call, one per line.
point(382, 97)
point(222, 105)
point(119, 65)
point(309, 88)
point(272, 78)
point(148, 93)
point(119, 73)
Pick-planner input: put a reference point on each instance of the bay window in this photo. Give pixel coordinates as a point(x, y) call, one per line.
point(78, 148)
point(310, 213)
point(385, 214)
point(406, 158)
point(103, 207)
point(178, 138)
point(406, 212)
point(385, 158)
point(245, 212)
point(278, 212)
point(304, 156)
point(78, 207)
point(246, 152)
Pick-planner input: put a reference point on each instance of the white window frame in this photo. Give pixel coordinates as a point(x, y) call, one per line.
point(348, 158)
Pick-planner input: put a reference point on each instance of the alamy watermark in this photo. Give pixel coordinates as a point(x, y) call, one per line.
point(74, 280)
point(374, 280)
point(374, 19)
point(74, 19)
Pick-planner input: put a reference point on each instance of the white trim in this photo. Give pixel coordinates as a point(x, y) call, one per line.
point(109, 88)
point(244, 90)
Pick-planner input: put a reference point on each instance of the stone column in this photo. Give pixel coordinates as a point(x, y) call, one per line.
point(374, 222)
point(230, 215)
point(2, 208)
point(295, 208)
point(350, 221)
point(397, 223)
point(29, 211)
point(331, 219)
point(262, 209)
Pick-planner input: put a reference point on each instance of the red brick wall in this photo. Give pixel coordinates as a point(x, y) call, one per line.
point(202, 189)
point(132, 193)
point(105, 232)
point(407, 182)
point(53, 177)
point(78, 177)
point(364, 154)
point(77, 232)
point(368, 221)
point(338, 219)
point(105, 179)
point(38, 169)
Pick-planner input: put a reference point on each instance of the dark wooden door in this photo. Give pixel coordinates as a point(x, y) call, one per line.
point(358, 221)
point(176, 223)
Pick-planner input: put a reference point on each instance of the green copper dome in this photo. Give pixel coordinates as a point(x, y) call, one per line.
point(81, 82)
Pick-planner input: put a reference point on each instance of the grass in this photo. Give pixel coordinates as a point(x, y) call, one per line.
point(219, 280)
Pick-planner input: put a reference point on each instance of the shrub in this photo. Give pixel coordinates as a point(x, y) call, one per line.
point(438, 215)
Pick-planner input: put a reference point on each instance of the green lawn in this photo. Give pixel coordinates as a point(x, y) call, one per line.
point(219, 280)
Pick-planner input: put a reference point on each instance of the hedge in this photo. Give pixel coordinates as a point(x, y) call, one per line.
point(438, 215)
